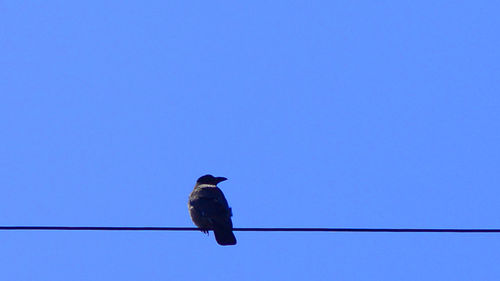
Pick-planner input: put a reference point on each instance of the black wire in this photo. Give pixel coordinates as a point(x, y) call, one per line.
point(282, 229)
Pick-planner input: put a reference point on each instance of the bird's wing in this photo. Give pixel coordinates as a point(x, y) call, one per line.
point(210, 206)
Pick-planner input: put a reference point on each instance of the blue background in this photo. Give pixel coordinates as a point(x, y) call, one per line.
point(321, 114)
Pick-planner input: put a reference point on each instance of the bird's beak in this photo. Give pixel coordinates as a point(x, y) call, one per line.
point(219, 179)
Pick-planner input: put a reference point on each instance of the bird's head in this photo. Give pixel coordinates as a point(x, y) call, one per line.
point(209, 179)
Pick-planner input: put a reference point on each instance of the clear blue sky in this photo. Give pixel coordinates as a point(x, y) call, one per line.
point(321, 114)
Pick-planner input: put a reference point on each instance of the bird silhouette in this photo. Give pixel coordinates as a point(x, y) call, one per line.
point(209, 209)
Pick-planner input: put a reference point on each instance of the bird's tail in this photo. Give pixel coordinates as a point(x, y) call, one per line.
point(224, 237)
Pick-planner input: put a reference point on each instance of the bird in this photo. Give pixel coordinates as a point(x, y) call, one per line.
point(209, 209)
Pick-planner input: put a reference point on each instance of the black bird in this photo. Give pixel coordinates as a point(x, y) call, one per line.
point(209, 209)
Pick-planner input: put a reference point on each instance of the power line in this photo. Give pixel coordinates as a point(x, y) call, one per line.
point(273, 229)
